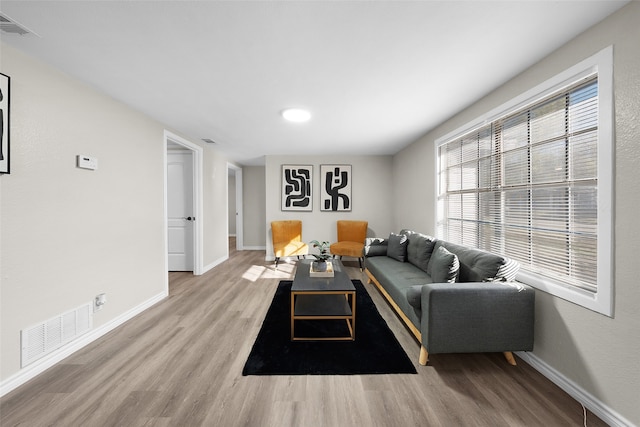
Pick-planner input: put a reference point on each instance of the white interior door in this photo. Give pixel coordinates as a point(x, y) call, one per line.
point(180, 211)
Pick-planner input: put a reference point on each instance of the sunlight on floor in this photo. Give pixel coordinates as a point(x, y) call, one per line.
point(285, 271)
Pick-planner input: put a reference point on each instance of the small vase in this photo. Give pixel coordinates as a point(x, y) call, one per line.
point(320, 265)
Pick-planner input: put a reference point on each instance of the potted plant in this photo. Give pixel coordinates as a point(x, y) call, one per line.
point(320, 264)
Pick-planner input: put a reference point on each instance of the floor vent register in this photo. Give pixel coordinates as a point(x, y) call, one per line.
point(43, 338)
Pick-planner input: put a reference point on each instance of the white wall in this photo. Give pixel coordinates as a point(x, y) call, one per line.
point(253, 195)
point(371, 196)
point(595, 354)
point(232, 204)
point(69, 234)
point(216, 222)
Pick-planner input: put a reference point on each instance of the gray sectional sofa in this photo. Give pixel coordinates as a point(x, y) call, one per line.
point(454, 299)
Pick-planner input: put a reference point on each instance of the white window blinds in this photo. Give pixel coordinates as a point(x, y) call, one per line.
point(526, 186)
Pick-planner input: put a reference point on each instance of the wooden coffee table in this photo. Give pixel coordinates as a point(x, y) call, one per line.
point(323, 298)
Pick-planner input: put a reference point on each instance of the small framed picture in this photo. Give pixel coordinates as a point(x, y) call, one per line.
point(297, 184)
point(335, 193)
point(4, 123)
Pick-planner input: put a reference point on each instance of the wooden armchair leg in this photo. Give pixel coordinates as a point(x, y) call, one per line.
point(424, 356)
point(509, 356)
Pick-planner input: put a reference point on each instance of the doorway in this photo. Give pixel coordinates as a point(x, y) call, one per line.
point(180, 209)
point(183, 219)
point(234, 202)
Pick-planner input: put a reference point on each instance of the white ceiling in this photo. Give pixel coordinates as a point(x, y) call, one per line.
point(376, 75)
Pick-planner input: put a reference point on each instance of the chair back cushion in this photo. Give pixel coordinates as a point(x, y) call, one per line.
point(287, 238)
point(352, 231)
point(286, 231)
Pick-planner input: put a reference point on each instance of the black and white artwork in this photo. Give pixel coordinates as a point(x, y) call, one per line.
point(335, 194)
point(4, 123)
point(297, 183)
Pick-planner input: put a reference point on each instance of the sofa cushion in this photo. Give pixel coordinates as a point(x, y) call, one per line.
point(292, 248)
point(419, 248)
point(414, 296)
point(375, 246)
point(480, 266)
point(352, 249)
point(444, 266)
point(397, 277)
point(397, 247)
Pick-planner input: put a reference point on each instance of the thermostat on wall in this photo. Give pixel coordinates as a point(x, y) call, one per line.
point(86, 162)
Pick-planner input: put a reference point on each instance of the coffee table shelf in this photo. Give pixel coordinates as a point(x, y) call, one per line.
point(325, 305)
point(323, 298)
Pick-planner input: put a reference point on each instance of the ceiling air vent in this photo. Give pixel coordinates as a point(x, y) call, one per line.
point(9, 26)
point(208, 141)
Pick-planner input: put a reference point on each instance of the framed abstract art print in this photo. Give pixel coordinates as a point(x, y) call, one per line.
point(335, 192)
point(297, 185)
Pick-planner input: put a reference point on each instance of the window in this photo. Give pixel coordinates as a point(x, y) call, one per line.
point(533, 182)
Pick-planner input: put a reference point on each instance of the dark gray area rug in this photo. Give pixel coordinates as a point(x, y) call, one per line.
point(374, 351)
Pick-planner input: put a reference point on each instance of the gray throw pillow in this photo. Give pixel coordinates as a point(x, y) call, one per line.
point(397, 247)
point(444, 266)
point(419, 249)
point(375, 246)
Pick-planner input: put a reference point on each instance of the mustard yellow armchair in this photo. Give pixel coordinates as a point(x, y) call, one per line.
point(287, 239)
point(351, 235)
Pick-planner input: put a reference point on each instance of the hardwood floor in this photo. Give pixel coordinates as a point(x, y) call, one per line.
point(180, 362)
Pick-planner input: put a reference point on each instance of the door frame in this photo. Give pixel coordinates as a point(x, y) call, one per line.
point(239, 205)
point(197, 151)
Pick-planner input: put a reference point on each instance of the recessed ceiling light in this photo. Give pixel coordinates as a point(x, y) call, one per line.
point(297, 115)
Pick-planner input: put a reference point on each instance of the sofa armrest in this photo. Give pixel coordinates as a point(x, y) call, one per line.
point(477, 317)
point(375, 246)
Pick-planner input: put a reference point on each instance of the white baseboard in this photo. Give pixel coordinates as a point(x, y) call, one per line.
point(214, 263)
point(39, 366)
point(254, 248)
point(604, 412)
